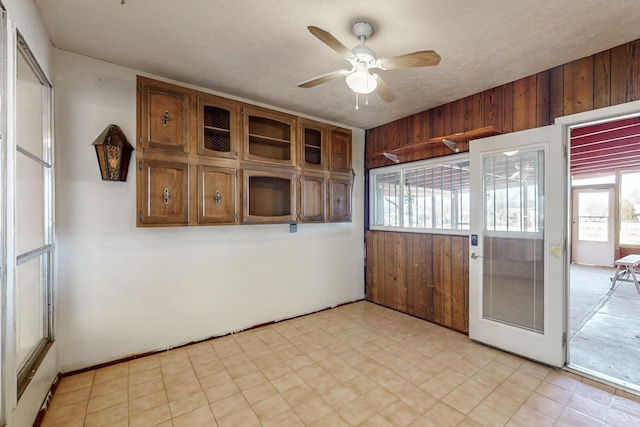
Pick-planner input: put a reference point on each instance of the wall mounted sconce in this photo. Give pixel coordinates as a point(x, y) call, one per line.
point(114, 152)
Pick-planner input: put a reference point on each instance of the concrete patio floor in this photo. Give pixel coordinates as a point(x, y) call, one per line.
point(604, 324)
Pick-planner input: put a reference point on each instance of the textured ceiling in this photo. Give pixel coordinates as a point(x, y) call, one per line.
point(261, 49)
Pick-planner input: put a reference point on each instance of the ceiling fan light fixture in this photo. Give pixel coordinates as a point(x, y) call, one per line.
point(363, 59)
point(361, 81)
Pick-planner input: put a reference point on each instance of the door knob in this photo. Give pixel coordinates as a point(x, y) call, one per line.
point(475, 255)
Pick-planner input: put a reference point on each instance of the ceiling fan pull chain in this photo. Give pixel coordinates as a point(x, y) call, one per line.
point(357, 108)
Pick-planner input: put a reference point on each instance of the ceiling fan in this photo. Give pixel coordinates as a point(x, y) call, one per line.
point(359, 78)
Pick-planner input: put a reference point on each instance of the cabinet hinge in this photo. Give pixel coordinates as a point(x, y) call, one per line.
point(236, 154)
point(140, 88)
point(140, 165)
point(139, 216)
point(564, 338)
point(564, 150)
point(237, 216)
point(236, 175)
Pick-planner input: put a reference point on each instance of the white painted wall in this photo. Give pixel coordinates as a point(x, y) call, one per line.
point(125, 290)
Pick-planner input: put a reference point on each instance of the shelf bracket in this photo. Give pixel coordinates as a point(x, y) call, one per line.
point(453, 146)
point(393, 157)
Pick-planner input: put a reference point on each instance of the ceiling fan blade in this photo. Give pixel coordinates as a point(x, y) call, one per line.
point(323, 79)
point(326, 38)
point(383, 90)
point(424, 58)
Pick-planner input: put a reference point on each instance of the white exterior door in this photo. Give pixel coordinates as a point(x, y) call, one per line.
point(517, 270)
point(592, 221)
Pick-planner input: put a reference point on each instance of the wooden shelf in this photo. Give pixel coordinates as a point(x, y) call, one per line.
point(216, 129)
point(261, 139)
point(456, 137)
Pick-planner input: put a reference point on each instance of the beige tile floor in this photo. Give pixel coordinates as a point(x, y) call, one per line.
point(355, 365)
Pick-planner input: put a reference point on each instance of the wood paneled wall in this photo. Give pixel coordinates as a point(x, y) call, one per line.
point(424, 275)
point(415, 273)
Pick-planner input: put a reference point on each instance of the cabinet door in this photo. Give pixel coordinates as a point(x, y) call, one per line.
point(268, 196)
point(163, 193)
point(340, 144)
point(217, 127)
point(217, 195)
point(312, 139)
point(268, 137)
point(164, 117)
point(312, 198)
point(339, 199)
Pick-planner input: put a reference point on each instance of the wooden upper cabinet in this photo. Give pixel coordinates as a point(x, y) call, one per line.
point(217, 195)
point(163, 192)
point(340, 146)
point(339, 199)
point(268, 137)
point(217, 127)
point(207, 160)
point(268, 195)
point(312, 144)
point(164, 116)
point(313, 194)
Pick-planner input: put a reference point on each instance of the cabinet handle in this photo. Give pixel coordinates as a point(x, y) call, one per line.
point(218, 198)
point(166, 196)
point(165, 118)
point(340, 202)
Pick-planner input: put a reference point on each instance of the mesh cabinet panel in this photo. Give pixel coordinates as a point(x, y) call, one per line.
point(312, 146)
point(217, 125)
point(269, 196)
point(312, 155)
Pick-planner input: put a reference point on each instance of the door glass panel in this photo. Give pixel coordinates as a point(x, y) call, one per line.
point(30, 308)
point(593, 216)
point(29, 109)
point(30, 209)
point(513, 270)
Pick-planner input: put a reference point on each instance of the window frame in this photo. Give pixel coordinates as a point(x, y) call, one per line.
point(25, 372)
point(409, 166)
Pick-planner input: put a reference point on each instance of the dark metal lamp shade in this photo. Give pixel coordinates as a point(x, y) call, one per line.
point(114, 153)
